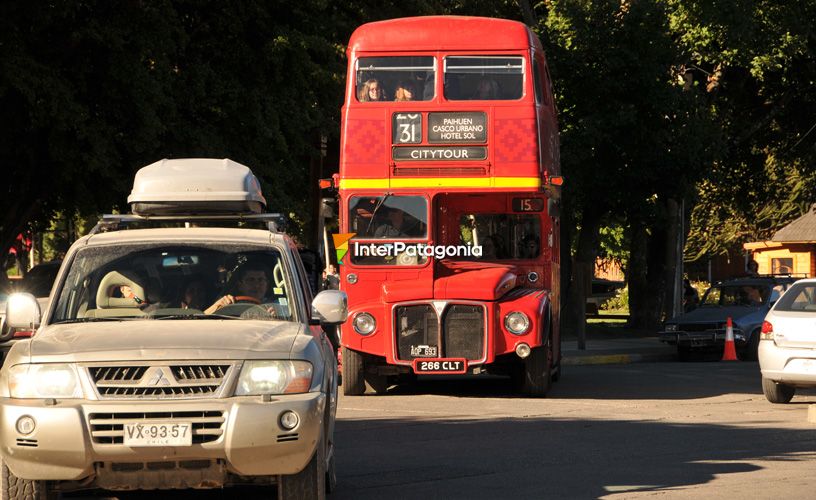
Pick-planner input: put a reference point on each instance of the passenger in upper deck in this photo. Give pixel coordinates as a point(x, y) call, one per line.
point(404, 92)
point(371, 90)
point(487, 90)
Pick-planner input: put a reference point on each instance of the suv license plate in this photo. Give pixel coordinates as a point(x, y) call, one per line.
point(159, 434)
point(440, 366)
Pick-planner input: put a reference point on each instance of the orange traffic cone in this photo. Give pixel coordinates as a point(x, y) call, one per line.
point(730, 352)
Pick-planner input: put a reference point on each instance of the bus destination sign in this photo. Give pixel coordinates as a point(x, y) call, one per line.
point(457, 128)
point(439, 153)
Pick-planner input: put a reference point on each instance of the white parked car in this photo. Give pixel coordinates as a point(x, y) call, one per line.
point(787, 347)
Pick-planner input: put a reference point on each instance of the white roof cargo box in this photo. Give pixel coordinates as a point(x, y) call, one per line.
point(196, 186)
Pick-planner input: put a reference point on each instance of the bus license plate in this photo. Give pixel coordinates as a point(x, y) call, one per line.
point(440, 366)
point(159, 434)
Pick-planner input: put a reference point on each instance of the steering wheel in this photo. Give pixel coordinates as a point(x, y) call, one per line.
point(246, 298)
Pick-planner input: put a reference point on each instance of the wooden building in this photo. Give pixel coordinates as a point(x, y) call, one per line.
point(792, 250)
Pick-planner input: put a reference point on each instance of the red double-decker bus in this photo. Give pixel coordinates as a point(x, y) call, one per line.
point(449, 179)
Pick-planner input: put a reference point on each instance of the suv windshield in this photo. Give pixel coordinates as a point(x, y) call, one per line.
point(158, 281)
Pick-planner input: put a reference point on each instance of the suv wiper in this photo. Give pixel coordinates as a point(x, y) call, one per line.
point(195, 316)
point(93, 319)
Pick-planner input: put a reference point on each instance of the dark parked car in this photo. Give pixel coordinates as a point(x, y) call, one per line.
point(744, 300)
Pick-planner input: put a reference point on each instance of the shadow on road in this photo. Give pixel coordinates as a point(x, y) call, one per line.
point(547, 457)
point(613, 382)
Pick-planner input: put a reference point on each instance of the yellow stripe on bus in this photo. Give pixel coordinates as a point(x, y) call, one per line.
point(442, 182)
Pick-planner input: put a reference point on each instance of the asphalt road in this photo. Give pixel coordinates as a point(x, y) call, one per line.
point(666, 430)
point(676, 430)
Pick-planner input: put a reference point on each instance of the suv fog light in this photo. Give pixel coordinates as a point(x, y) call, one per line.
point(26, 425)
point(522, 350)
point(289, 420)
point(364, 323)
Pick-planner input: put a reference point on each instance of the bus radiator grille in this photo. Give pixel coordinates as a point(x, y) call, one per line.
point(463, 333)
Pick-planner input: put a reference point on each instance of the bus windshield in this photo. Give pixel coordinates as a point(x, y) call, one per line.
point(388, 217)
point(484, 78)
point(395, 78)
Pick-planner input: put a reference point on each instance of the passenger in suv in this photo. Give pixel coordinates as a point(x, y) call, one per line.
point(120, 389)
point(744, 300)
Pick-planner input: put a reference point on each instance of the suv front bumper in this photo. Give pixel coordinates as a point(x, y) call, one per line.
point(69, 443)
point(701, 340)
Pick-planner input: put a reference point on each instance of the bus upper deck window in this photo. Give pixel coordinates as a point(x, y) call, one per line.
point(395, 78)
point(484, 78)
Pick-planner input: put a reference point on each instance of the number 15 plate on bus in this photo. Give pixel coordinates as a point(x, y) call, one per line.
point(450, 366)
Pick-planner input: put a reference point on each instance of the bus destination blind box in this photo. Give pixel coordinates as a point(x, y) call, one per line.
point(196, 186)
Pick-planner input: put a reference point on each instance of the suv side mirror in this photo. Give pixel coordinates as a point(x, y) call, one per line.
point(330, 307)
point(22, 311)
point(774, 296)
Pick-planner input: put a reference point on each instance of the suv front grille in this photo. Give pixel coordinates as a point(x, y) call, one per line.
point(158, 382)
point(109, 428)
point(420, 333)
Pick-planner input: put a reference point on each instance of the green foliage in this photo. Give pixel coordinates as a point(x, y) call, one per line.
point(620, 302)
point(614, 245)
point(757, 62)
point(92, 90)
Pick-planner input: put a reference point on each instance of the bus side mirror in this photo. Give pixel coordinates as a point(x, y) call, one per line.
point(553, 208)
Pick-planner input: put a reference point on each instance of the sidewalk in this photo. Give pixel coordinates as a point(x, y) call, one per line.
point(617, 351)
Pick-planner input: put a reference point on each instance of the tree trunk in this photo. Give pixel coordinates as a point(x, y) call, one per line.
point(671, 303)
point(583, 269)
point(652, 264)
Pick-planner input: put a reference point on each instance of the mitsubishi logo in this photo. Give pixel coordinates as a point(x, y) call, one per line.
point(157, 378)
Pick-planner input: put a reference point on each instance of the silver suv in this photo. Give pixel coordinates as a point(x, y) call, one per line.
point(184, 356)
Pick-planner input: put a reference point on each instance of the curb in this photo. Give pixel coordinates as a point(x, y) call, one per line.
point(618, 359)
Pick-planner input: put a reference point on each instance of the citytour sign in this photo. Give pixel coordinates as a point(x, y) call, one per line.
point(438, 153)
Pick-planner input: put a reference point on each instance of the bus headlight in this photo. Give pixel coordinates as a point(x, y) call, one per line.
point(517, 323)
point(274, 377)
point(364, 323)
point(57, 380)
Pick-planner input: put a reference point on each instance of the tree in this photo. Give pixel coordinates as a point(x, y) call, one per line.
point(90, 91)
point(757, 61)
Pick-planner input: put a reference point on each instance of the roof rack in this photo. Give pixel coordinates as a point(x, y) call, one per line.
point(113, 222)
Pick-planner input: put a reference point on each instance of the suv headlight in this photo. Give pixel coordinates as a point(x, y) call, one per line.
point(517, 322)
point(274, 377)
point(43, 381)
point(671, 327)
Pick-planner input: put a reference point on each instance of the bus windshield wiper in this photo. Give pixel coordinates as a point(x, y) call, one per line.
point(374, 213)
